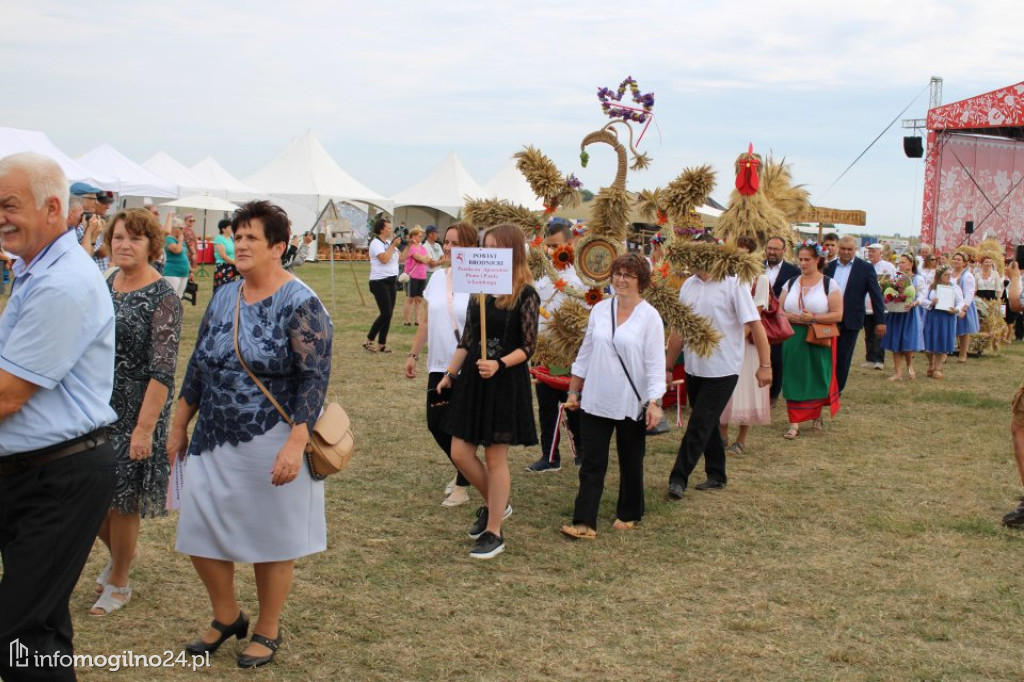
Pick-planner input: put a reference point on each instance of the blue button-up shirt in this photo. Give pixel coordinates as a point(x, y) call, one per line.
point(842, 273)
point(57, 332)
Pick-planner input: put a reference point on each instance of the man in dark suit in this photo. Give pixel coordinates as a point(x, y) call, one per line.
point(858, 279)
point(779, 271)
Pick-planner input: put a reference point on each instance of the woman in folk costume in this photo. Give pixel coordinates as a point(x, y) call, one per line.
point(809, 378)
point(940, 324)
point(967, 317)
point(904, 331)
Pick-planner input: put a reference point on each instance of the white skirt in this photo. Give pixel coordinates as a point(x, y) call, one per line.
point(230, 510)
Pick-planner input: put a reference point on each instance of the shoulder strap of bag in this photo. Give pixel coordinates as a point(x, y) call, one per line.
point(259, 384)
point(616, 349)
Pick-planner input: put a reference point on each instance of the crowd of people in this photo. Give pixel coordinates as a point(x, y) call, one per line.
point(92, 440)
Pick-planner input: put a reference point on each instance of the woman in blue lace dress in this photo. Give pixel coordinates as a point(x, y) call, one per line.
point(248, 495)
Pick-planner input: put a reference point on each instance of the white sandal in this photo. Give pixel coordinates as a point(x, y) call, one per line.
point(458, 496)
point(101, 579)
point(108, 603)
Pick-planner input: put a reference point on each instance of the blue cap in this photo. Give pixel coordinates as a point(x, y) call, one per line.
point(80, 189)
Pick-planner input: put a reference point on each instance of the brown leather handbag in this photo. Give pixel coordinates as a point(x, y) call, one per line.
point(331, 442)
point(822, 334)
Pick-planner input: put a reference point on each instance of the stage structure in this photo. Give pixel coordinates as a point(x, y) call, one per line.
point(974, 170)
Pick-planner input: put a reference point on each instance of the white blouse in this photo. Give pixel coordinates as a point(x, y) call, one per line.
point(958, 298)
point(446, 314)
point(967, 284)
point(380, 270)
point(640, 341)
point(815, 299)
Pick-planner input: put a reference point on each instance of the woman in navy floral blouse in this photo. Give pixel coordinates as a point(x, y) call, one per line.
point(248, 495)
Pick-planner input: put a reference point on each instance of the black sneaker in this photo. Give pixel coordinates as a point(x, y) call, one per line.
point(1015, 519)
point(542, 465)
point(488, 546)
point(480, 525)
point(710, 485)
point(676, 491)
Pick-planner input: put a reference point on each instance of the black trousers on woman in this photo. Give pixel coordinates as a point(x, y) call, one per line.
point(631, 442)
point(437, 408)
point(384, 293)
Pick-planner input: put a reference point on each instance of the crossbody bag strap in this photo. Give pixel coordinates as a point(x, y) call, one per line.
point(623, 364)
point(259, 384)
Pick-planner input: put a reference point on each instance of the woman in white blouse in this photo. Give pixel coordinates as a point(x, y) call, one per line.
point(383, 276)
point(808, 370)
point(444, 318)
point(967, 317)
point(618, 379)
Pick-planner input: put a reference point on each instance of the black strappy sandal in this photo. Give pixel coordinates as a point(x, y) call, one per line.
point(246, 661)
point(368, 346)
point(383, 349)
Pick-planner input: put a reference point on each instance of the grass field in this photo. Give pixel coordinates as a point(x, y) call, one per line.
point(871, 551)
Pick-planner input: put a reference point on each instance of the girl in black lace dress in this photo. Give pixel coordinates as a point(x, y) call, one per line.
point(492, 404)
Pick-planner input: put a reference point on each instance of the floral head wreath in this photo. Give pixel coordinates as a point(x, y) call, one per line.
point(579, 229)
point(658, 239)
point(811, 244)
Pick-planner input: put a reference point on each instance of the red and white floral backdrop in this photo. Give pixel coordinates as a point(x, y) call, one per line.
point(950, 195)
point(997, 166)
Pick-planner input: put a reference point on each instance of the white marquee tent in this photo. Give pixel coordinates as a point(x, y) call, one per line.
point(220, 181)
point(176, 173)
point(444, 191)
point(304, 178)
point(130, 179)
point(17, 140)
point(509, 184)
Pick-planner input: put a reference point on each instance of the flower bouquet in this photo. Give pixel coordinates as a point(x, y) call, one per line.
point(898, 292)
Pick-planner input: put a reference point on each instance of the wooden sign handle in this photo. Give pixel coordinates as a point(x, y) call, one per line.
point(483, 325)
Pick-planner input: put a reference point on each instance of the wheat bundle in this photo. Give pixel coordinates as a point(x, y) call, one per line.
point(561, 341)
point(485, 213)
point(688, 192)
point(777, 185)
point(545, 179)
point(717, 260)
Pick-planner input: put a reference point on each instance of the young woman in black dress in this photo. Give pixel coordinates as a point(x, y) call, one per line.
point(492, 404)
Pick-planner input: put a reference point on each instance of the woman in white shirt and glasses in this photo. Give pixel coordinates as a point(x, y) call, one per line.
point(620, 372)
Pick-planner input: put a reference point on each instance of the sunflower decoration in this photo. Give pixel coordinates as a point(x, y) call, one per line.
point(593, 296)
point(563, 257)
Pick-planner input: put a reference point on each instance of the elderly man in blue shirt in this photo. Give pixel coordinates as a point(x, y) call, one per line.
point(57, 470)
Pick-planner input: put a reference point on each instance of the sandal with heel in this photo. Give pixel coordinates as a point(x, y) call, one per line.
point(247, 661)
point(108, 603)
point(239, 629)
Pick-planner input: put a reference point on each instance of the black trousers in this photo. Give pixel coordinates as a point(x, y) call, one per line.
point(844, 355)
point(708, 398)
point(547, 411)
point(631, 443)
point(384, 293)
point(776, 388)
point(437, 408)
point(49, 518)
point(873, 351)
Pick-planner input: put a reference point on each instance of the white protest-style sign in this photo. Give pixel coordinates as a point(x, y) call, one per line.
point(482, 271)
point(944, 297)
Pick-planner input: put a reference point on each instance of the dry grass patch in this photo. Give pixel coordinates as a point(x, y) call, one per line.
point(870, 551)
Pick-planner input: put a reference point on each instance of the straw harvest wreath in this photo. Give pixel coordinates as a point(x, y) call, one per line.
point(755, 211)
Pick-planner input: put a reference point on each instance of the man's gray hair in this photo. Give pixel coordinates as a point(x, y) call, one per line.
point(847, 239)
point(45, 178)
point(75, 202)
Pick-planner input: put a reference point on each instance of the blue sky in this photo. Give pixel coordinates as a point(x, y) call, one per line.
point(391, 88)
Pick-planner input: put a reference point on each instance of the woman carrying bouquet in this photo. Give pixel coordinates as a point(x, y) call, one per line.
point(904, 331)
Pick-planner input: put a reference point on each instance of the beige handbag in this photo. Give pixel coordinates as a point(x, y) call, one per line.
point(330, 443)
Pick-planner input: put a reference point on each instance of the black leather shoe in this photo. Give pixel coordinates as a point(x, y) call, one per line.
point(239, 629)
point(676, 491)
point(710, 485)
point(245, 661)
point(1015, 518)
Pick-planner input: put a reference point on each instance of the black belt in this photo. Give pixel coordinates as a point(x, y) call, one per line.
point(16, 464)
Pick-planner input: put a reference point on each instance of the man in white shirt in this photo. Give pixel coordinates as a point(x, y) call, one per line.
point(710, 381)
point(874, 355)
point(548, 398)
point(434, 250)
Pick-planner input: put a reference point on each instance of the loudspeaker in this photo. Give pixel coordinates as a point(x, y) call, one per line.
point(969, 227)
point(913, 147)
